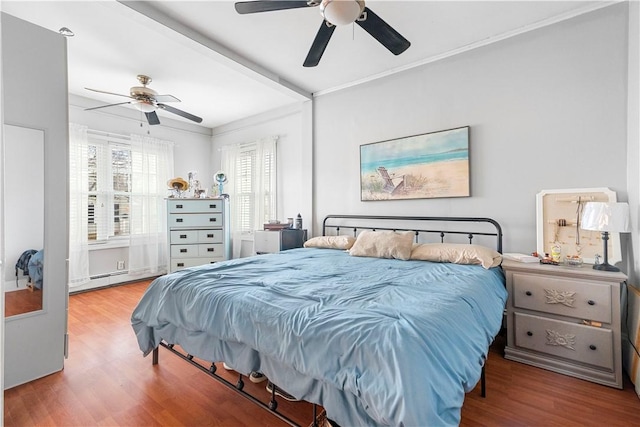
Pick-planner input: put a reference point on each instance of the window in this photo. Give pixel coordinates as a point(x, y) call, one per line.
point(251, 169)
point(109, 192)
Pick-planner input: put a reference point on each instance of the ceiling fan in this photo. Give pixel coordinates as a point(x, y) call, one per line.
point(147, 100)
point(334, 12)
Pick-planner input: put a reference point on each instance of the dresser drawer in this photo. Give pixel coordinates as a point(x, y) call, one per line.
point(180, 263)
point(184, 237)
point(215, 250)
point(572, 341)
point(195, 220)
point(210, 236)
point(198, 206)
point(575, 298)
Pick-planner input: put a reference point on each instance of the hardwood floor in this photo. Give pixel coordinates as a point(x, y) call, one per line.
point(22, 301)
point(107, 382)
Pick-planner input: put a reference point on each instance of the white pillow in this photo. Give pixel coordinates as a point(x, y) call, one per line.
point(330, 242)
point(458, 253)
point(383, 244)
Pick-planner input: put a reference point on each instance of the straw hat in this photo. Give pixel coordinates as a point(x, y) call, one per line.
point(178, 184)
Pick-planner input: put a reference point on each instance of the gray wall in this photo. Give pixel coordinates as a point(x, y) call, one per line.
point(547, 110)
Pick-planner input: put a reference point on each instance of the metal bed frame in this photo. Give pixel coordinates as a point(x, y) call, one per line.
point(353, 223)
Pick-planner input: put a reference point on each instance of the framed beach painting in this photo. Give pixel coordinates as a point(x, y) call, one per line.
point(426, 166)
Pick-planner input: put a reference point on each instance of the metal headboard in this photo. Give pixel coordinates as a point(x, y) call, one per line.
point(355, 223)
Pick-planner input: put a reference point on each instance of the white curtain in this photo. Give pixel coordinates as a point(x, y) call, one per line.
point(262, 172)
point(78, 205)
point(151, 168)
point(230, 154)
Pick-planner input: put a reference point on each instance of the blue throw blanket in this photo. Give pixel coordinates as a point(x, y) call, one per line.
point(374, 341)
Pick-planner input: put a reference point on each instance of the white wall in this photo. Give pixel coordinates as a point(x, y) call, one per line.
point(547, 110)
point(192, 153)
point(289, 125)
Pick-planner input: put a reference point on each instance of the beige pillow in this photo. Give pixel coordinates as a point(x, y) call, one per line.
point(458, 253)
point(383, 244)
point(330, 242)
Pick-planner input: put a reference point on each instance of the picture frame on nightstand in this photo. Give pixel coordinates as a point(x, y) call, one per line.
point(558, 216)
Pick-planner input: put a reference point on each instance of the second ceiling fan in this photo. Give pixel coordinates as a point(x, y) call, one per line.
point(147, 100)
point(334, 12)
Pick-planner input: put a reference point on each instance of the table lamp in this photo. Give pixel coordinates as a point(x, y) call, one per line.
point(606, 217)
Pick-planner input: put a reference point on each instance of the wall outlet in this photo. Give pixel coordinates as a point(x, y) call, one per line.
point(120, 265)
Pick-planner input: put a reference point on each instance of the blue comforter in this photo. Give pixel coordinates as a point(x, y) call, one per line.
point(374, 341)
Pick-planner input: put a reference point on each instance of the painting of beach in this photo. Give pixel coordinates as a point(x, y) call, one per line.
point(426, 166)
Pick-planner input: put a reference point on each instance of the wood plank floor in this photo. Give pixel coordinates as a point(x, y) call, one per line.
point(107, 382)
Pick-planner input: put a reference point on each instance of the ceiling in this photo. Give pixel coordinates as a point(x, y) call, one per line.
point(224, 66)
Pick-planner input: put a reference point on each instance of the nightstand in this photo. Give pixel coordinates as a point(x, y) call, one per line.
point(270, 241)
point(565, 319)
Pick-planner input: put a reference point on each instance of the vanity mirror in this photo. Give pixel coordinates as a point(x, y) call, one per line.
point(23, 181)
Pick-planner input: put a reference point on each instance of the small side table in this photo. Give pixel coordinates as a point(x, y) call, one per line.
point(270, 241)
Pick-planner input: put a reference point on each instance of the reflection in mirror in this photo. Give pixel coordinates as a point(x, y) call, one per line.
point(23, 190)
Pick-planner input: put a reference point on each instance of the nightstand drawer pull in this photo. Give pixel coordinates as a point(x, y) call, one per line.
point(183, 251)
point(181, 264)
point(593, 347)
point(528, 293)
point(529, 333)
point(213, 219)
point(210, 249)
point(183, 236)
point(209, 236)
point(179, 206)
point(213, 206)
point(591, 302)
point(179, 220)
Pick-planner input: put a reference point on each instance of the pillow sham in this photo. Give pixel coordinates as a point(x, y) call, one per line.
point(457, 253)
point(383, 244)
point(330, 242)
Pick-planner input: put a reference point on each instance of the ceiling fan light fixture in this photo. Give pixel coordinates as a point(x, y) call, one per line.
point(341, 12)
point(145, 106)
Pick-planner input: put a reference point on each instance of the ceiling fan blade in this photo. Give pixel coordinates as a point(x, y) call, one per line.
point(152, 118)
point(383, 32)
point(166, 98)
point(108, 105)
point(180, 113)
point(319, 44)
point(244, 7)
point(108, 93)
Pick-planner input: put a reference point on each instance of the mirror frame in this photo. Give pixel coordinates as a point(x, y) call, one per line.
point(36, 137)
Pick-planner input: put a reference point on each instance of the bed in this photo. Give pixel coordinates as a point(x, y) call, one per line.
point(375, 337)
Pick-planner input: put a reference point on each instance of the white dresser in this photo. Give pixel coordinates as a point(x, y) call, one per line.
point(198, 231)
point(565, 319)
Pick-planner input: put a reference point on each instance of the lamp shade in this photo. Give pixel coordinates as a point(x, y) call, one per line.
point(610, 217)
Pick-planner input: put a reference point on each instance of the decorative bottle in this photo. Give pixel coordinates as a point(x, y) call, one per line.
point(299, 222)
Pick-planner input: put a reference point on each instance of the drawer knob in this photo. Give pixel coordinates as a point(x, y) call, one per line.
point(178, 206)
point(181, 264)
point(528, 293)
point(183, 236)
point(178, 219)
point(529, 333)
point(591, 302)
point(593, 347)
point(212, 219)
point(212, 206)
point(209, 249)
point(183, 251)
point(209, 236)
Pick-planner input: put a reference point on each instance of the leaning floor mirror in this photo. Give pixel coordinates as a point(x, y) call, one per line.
point(23, 189)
